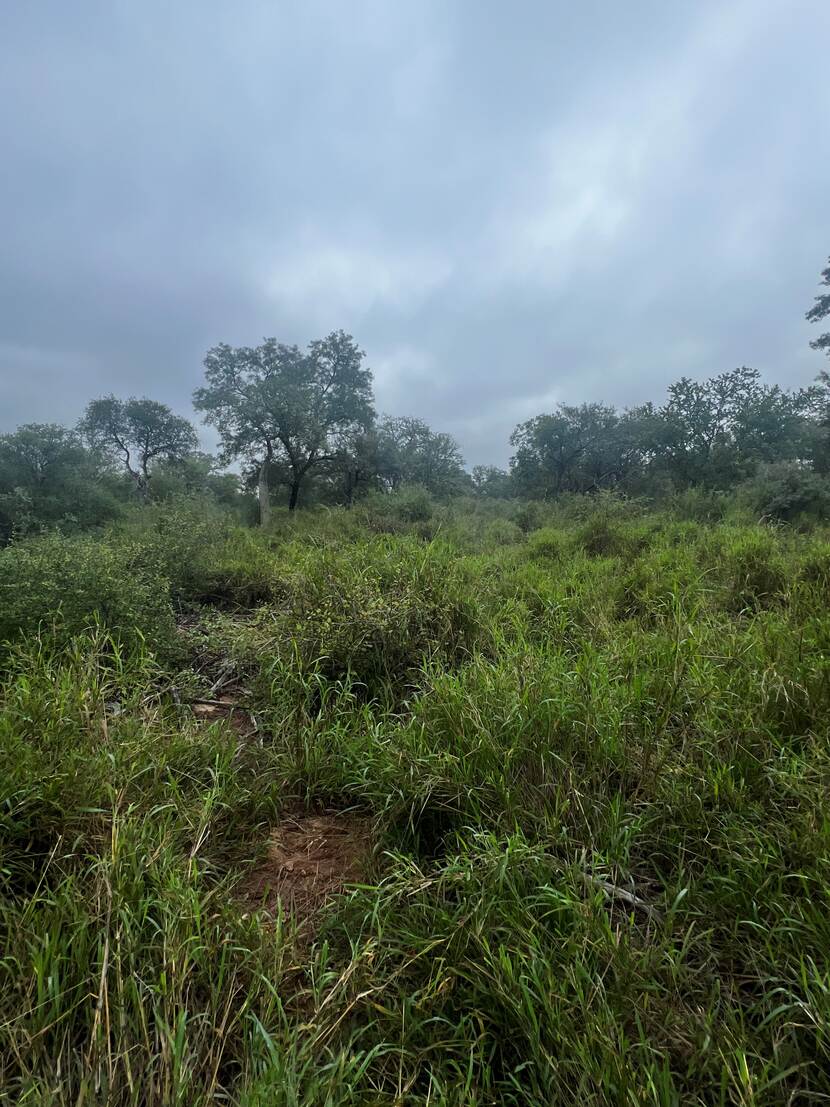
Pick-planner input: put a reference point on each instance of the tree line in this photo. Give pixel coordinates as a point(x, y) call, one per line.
point(302, 422)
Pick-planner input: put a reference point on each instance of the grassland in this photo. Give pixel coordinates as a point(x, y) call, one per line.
point(582, 758)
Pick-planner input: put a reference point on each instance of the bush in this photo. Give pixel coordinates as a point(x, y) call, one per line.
point(658, 584)
point(373, 613)
point(786, 492)
point(410, 508)
point(176, 541)
point(699, 505)
point(528, 517)
point(599, 537)
point(756, 573)
point(815, 566)
point(239, 571)
point(69, 584)
point(546, 544)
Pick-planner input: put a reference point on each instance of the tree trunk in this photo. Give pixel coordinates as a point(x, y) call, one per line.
point(349, 486)
point(294, 493)
point(264, 495)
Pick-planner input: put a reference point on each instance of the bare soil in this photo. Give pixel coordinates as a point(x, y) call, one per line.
point(310, 858)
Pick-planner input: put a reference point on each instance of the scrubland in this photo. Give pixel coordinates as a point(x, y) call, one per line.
point(560, 777)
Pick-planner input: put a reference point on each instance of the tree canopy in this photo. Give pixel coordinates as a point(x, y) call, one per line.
point(137, 433)
point(711, 433)
point(821, 310)
point(276, 404)
point(410, 452)
point(48, 478)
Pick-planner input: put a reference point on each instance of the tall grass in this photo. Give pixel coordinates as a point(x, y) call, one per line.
point(595, 756)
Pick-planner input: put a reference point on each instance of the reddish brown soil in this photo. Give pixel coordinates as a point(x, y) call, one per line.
point(310, 858)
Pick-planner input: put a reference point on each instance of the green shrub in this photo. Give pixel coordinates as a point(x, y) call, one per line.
point(600, 537)
point(699, 505)
point(242, 571)
point(177, 541)
point(475, 532)
point(528, 516)
point(660, 584)
point(373, 613)
point(410, 509)
point(786, 493)
point(815, 565)
point(67, 585)
point(756, 573)
point(546, 544)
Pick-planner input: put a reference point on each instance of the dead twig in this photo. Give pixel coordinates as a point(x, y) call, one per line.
point(614, 892)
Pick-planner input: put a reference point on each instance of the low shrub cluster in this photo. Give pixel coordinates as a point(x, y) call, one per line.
point(372, 614)
point(64, 585)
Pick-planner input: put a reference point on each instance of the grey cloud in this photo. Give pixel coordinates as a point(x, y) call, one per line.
point(507, 205)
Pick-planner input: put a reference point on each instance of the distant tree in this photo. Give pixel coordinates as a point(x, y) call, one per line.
point(409, 452)
point(198, 474)
point(575, 449)
point(714, 433)
point(137, 433)
point(278, 405)
point(701, 418)
point(816, 401)
point(356, 465)
point(774, 426)
point(48, 478)
point(821, 310)
point(490, 482)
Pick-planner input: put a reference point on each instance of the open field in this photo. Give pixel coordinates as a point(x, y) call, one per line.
point(405, 804)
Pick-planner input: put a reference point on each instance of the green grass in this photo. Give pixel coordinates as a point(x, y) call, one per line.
point(596, 760)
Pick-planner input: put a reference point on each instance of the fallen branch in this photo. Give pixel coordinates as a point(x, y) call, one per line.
point(222, 679)
point(614, 892)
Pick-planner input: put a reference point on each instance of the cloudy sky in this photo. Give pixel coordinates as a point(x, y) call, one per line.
point(509, 205)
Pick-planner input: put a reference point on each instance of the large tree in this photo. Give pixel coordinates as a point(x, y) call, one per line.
point(356, 465)
point(821, 310)
point(277, 405)
point(137, 433)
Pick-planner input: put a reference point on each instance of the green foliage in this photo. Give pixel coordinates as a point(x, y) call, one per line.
point(137, 434)
point(48, 480)
point(601, 537)
point(819, 311)
point(373, 614)
point(546, 545)
point(398, 511)
point(275, 405)
point(66, 585)
point(595, 759)
point(528, 517)
point(710, 434)
point(491, 482)
point(700, 505)
point(756, 573)
point(410, 453)
point(240, 572)
point(787, 493)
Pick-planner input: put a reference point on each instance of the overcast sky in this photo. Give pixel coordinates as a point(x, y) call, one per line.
point(508, 204)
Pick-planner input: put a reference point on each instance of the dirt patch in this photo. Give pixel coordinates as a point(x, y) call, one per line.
point(225, 707)
point(310, 859)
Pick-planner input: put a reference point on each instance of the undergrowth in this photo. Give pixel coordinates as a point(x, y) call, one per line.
point(594, 751)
